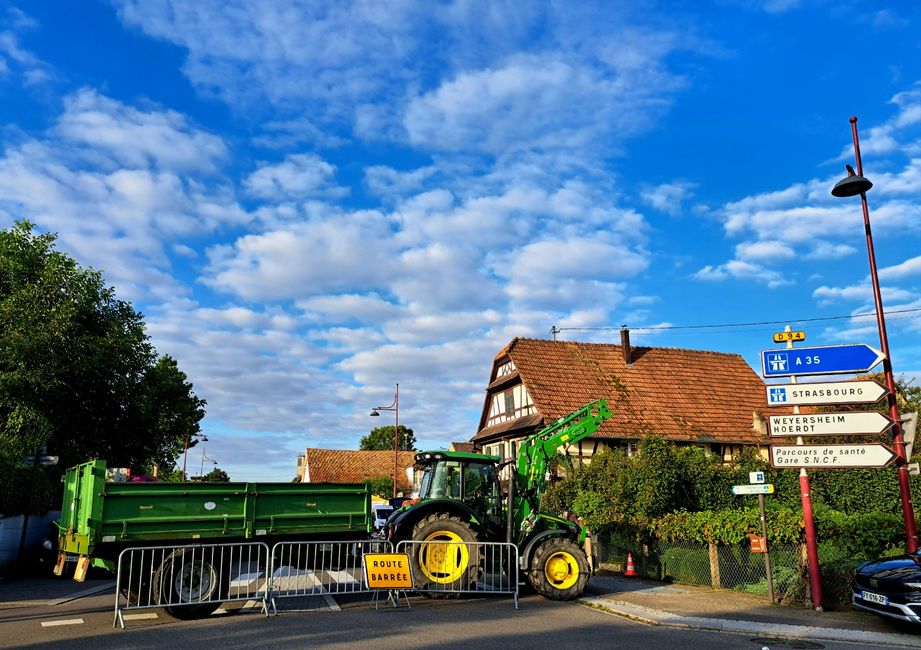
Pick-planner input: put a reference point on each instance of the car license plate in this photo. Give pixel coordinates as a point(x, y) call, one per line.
point(874, 598)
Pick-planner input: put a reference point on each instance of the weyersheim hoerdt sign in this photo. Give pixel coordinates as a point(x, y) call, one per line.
point(828, 424)
point(841, 392)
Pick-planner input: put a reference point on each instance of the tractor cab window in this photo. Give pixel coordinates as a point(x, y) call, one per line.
point(480, 484)
point(442, 480)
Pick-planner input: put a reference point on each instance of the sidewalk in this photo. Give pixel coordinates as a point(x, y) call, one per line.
point(694, 607)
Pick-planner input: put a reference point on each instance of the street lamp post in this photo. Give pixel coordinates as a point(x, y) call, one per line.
point(395, 407)
point(185, 452)
point(853, 185)
point(204, 457)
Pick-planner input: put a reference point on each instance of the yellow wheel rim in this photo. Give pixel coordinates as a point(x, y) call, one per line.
point(562, 570)
point(443, 563)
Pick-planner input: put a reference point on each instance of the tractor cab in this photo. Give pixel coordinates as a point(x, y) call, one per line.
point(469, 478)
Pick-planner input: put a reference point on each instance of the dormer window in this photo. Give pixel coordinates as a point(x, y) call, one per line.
point(506, 368)
point(510, 404)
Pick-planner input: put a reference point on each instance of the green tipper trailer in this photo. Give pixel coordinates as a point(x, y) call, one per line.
point(99, 519)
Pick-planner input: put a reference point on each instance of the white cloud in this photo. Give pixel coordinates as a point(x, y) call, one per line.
point(13, 56)
point(907, 269)
point(540, 103)
point(339, 252)
point(863, 292)
point(121, 186)
point(138, 138)
point(570, 273)
point(740, 270)
point(764, 250)
point(668, 197)
point(299, 176)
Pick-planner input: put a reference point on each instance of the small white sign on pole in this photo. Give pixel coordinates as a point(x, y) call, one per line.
point(756, 477)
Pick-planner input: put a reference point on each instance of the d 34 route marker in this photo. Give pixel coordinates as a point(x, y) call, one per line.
point(835, 392)
point(819, 360)
point(868, 455)
point(828, 424)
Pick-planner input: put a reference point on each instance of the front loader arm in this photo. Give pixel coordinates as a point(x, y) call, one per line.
point(536, 452)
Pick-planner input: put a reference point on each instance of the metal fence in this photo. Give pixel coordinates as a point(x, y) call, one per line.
point(302, 569)
point(442, 568)
point(722, 566)
point(193, 580)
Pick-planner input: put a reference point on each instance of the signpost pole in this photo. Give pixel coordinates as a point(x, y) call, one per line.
point(908, 514)
point(767, 550)
point(812, 550)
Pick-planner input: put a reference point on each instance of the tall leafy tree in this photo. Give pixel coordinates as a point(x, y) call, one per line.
point(78, 374)
point(381, 439)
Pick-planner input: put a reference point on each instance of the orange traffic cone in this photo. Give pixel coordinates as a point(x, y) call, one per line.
point(631, 571)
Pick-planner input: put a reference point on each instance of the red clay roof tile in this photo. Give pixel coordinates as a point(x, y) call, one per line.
point(681, 394)
point(350, 466)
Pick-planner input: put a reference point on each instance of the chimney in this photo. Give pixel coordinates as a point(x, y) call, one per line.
point(625, 344)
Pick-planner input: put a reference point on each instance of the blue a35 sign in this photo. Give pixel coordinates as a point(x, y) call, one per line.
point(819, 360)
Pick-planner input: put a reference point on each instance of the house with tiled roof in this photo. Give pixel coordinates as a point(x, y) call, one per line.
point(710, 399)
point(350, 466)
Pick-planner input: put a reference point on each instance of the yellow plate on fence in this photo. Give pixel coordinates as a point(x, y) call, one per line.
point(387, 571)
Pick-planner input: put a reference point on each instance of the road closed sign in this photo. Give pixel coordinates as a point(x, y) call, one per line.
point(387, 571)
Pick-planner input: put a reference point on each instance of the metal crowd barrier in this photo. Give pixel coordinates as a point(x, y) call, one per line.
point(320, 568)
point(449, 567)
point(191, 581)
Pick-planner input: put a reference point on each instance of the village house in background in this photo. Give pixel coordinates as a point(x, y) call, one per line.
point(349, 466)
point(710, 399)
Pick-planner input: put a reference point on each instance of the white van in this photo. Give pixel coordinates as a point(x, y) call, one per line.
point(381, 511)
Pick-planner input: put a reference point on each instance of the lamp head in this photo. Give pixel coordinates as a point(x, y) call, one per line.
point(851, 185)
point(374, 413)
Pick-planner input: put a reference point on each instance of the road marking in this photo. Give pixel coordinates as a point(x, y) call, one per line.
point(66, 621)
point(139, 617)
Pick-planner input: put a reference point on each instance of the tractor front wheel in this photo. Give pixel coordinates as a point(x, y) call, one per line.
point(559, 569)
point(448, 560)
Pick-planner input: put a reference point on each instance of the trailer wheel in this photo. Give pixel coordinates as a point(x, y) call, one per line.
point(186, 578)
point(447, 567)
point(559, 569)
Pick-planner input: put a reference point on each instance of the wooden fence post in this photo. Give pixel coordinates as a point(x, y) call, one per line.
point(714, 565)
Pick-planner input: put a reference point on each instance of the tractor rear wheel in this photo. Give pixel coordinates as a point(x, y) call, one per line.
point(449, 560)
point(559, 569)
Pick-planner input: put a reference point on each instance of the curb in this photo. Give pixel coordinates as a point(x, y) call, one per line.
point(667, 619)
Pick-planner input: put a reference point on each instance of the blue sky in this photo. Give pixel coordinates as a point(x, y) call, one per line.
point(312, 201)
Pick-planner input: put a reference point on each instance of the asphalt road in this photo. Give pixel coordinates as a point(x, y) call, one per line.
point(477, 622)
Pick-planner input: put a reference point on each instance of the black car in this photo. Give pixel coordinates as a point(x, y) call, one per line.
point(890, 587)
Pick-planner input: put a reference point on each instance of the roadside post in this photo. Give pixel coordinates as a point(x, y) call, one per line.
point(812, 548)
point(855, 184)
point(759, 487)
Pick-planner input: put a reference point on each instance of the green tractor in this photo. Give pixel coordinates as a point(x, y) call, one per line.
point(461, 500)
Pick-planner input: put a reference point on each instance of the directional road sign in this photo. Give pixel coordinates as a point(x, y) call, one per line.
point(819, 360)
point(832, 456)
point(763, 488)
point(835, 392)
point(828, 424)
